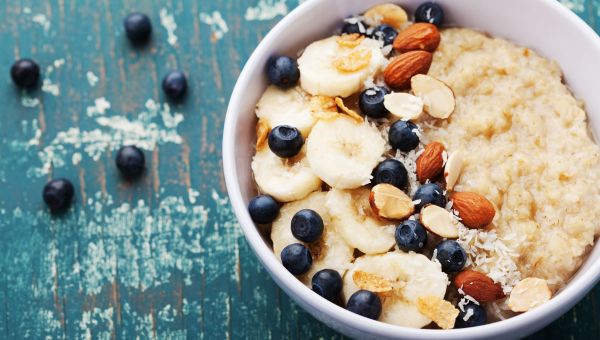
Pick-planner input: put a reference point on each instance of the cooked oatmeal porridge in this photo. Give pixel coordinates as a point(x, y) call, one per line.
point(425, 176)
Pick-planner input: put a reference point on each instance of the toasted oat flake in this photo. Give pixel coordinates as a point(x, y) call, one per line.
point(340, 103)
point(350, 40)
point(323, 104)
point(353, 61)
point(262, 134)
point(442, 312)
point(371, 282)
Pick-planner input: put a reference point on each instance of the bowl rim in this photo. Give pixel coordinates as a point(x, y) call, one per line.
point(568, 296)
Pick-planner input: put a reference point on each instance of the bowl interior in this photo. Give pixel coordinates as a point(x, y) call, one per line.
point(542, 25)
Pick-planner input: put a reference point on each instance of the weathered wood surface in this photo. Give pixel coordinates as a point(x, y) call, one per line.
point(162, 257)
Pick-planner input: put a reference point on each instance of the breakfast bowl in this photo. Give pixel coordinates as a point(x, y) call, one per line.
point(543, 26)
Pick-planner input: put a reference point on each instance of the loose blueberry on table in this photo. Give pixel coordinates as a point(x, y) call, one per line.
point(263, 209)
point(392, 172)
point(411, 236)
point(365, 303)
point(327, 283)
point(174, 85)
point(430, 12)
point(285, 141)
point(371, 102)
point(130, 161)
point(296, 258)
point(307, 225)
point(403, 136)
point(138, 27)
point(25, 73)
point(283, 71)
point(58, 194)
point(430, 193)
point(451, 255)
point(471, 315)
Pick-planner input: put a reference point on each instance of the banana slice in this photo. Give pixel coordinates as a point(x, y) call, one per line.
point(344, 153)
point(286, 107)
point(329, 68)
point(352, 217)
point(284, 179)
point(330, 252)
point(411, 276)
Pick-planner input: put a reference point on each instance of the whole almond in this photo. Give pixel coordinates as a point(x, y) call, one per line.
point(399, 71)
point(478, 285)
point(430, 163)
point(474, 210)
point(419, 36)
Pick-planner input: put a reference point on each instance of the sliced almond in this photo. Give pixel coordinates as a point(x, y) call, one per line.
point(452, 169)
point(437, 97)
point(340, 104)
point(387, 201)
point(528, 294)
point(440, 311)
point(390, 14)
point(262, 134)
point(439, 221)
point(371, 282)
point(353, 61)
point(403, 106)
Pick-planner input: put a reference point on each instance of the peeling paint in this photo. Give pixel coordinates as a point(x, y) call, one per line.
point(266, 10)
point(167, 20)
point(217, 24)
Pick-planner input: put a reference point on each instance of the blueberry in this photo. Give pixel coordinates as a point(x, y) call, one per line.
point(392, 172)
point(411, 236)
point(327, 283)
point(365, 303)
point(130, 161)
point(58, 194)
point(307, 225)
point(430, 12)
point(403, 136)
point(283, 71)
point(25, 73)
point(263, 209)
point(430, 193)
point(137, 27)
point(353, 25)
point(285, 141)
point(477, 316)
point(451, 256)
point(385, 33)
point(174, 85)
point(296, 258)
point(371, 102)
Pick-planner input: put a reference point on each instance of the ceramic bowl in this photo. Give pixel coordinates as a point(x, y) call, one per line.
point(542, 25)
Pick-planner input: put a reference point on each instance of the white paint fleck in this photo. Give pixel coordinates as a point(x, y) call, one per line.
point(26, 10)
point(47, 85)
point(28, 101)
point(192, 195)
point(168, 22)
point(96, 318)
point(76, 158)
point(574, 5)
point(218, 26)
point(91, 78)
point(266, 10)
point(42, 20)
point(99, 108)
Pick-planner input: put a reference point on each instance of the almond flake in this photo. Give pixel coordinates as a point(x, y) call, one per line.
point(439, 221)
point(438, 98)
point(371, 282)
point(528, 294)
point(452, 169)
point(440, 311)
point(403, 106)
point(340, 104)
point(353, 61)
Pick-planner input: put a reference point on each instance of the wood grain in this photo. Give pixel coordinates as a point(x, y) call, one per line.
point(161, 257)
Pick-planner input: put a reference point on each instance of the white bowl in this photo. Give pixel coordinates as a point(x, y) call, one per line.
point(542, 25)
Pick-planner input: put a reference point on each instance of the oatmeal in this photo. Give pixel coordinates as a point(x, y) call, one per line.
point(425, 177)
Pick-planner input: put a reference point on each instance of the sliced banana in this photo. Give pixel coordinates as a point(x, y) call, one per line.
point(330, 252)
point(411, 275)
point(286, 107)
point(284, 179)
point(329, 68)
point(353, 219)
point(343, 153)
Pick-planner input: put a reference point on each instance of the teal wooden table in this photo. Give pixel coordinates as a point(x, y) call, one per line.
point(162, 257)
